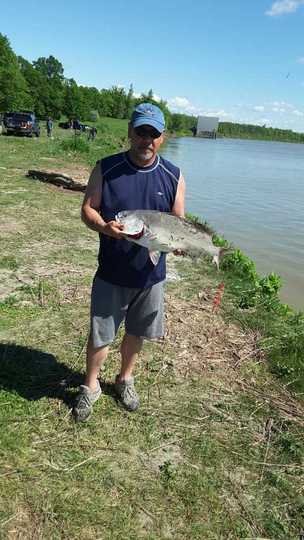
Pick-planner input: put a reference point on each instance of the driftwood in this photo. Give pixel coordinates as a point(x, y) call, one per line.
point(58, 179)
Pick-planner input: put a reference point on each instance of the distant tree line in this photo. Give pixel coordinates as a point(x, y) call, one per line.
point(41, 86)
point(248, 131)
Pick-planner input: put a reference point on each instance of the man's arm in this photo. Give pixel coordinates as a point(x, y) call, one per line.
point(178, 208)
point(179, 205)
point(91, 205)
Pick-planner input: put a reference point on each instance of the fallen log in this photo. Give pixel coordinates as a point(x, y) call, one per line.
point(58, 179)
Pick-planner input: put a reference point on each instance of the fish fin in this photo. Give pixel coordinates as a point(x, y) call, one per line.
point(154, 257)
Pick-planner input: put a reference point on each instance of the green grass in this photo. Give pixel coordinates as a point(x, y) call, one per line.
point(216, 449)
point(24, 153)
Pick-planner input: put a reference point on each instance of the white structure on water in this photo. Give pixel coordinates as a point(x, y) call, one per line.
point(207, 126)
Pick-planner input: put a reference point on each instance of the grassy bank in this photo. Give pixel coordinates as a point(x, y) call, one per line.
point(216, 449)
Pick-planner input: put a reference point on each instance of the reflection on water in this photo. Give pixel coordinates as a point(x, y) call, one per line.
point(252, 192)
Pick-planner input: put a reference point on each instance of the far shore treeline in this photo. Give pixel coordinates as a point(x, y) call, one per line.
point(41, 86)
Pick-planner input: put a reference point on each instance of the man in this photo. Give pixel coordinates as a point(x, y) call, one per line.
point(92, 134)
point(49, 127)
point(77, 126)
point(127, 286)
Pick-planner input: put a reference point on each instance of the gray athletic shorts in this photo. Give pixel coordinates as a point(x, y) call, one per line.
point(141, 309)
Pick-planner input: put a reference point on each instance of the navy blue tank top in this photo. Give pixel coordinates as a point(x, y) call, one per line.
point(127, 187)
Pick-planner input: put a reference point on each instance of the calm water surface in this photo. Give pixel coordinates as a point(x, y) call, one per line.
point(252, 192)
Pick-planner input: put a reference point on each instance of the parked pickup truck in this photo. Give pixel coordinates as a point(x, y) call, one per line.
point(23, 122)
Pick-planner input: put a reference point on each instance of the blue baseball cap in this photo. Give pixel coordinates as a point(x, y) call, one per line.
point(148, 114)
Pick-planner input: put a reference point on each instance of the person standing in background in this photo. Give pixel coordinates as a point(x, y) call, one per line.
point(49, 127)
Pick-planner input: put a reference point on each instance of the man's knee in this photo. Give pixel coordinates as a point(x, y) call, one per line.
point(92, 348)
point(131, 342)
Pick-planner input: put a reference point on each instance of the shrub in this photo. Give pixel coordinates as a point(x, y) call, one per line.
point(270, 285)
point(240, 265)
point(75, 144)
point(199, 223)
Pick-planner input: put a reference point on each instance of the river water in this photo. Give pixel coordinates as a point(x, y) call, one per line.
point(251, 192)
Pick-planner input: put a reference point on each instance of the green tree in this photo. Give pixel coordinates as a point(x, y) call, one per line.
point(129, 102)
point(106, 104)
point(177, 122)
point(14, 91)
point(91, 101)
point(249, 131)
point(73, 103)
point(50, 68)
point(119, 102)
point(38, 87)
point(52, 72)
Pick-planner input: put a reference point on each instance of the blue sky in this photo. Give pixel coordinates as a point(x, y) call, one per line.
point(242, 60)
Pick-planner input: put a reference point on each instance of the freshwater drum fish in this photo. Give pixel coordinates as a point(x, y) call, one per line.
point(164, 232)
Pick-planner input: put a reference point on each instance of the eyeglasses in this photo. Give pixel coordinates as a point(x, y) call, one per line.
point(149, 132)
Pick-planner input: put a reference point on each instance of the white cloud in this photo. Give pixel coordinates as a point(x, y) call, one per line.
point(279, 114)
point(301, 60)
point(284, 6)
point(281, 105)
point(297, 112)
point(221, 113)
point(263, 121)
point(179, 102)
point(156, 98)
point(184, 106)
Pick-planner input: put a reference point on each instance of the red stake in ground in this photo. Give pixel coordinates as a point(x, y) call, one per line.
point(218, 297)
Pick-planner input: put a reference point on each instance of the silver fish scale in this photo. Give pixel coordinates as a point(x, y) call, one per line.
point(166, 232)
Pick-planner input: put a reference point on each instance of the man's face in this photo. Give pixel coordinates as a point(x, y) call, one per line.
point(145, 141)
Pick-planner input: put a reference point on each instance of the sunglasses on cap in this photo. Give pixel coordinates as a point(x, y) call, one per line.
point(145, 131)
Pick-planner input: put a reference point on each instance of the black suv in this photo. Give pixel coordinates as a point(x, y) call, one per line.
point(23, 122)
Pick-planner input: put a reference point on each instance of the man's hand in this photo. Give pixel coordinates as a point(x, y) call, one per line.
point(114, 230)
